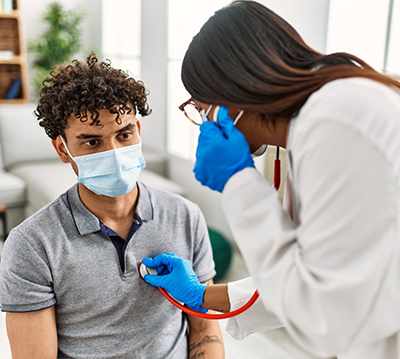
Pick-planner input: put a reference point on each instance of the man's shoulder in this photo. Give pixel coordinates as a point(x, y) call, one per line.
point(45, 218)
point(160, 197)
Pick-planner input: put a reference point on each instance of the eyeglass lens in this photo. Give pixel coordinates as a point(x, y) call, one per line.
point(193, 114)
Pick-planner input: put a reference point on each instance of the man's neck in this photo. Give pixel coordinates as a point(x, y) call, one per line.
point(110, 210)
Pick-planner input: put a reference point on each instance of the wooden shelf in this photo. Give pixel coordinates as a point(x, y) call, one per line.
point(12, 70)
point(16, 101)
point(11, 15)
point(14, 60)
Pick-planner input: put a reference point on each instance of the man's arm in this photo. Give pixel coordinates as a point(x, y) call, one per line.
point(205, 338)
point(33, 335)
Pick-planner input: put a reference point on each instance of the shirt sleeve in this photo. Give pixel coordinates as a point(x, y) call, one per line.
point(25, 276)
point(203, 262)
point(323, 277)
point(255, 319)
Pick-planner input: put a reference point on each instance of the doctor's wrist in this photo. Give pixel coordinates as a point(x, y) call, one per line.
point(216, 298)
point(197, 298)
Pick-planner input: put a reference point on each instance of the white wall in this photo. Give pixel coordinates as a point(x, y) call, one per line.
point(32, 26)
point(154, 71)
point(308, 17)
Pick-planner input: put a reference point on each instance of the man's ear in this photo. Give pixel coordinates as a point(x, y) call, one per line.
point(60, 149)
point(139, 127)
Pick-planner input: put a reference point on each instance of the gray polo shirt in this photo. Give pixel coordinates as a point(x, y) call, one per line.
point(59, 256)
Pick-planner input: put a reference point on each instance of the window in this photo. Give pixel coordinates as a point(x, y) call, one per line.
point(393, 60)
point(121, 34)
point(368, 29)
point(182, 135)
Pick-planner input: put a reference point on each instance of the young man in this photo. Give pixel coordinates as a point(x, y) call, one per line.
point(69, 277)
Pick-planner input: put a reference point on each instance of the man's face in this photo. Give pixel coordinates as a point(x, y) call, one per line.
point(83, 139)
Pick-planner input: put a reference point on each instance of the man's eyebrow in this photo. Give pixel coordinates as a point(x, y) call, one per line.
point(85, 136)
point(127, 127)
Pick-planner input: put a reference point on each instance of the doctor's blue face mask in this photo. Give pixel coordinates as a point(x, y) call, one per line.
point(110, 173)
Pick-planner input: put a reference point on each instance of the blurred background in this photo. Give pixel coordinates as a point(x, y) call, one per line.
point(148, 38)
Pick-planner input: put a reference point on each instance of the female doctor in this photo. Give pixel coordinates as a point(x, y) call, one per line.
point(327, 267)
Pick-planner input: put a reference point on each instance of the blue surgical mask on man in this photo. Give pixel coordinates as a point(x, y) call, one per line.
point(110, 173)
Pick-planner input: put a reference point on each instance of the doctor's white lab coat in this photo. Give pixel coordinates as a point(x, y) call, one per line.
point(329, 272)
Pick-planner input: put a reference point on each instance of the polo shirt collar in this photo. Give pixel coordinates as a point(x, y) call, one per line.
point(86, 222)
point(144, 208)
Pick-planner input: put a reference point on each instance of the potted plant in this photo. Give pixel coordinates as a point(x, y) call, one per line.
point(60, 41)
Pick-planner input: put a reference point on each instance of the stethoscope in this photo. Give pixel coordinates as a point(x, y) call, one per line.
point(143, 270)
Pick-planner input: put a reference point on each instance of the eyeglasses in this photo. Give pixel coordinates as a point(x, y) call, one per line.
point(194, 115)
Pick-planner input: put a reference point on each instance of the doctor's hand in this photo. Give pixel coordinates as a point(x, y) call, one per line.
point(221, 152)
point(181, 281)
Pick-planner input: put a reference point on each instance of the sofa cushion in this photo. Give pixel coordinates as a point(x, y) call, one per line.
point(22, 139)
point(12, 190)
point(157, 181)
point(45, 181)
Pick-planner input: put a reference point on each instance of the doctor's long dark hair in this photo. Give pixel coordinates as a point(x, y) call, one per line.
point(246, 56)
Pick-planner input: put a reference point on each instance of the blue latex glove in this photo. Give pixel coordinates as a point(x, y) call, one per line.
point(221, 152)
point(181, 281)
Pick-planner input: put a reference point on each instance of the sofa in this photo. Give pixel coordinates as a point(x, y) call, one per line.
point(31, 175)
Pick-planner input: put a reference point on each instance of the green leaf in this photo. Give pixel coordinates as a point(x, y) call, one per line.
point(59, 43)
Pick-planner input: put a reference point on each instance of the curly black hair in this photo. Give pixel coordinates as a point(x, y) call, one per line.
point(81, 89)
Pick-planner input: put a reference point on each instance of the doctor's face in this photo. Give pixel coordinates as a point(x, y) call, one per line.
point(249, 124)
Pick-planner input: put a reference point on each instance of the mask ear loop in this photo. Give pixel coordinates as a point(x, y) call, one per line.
point(215, 115)
point(208, 110)
point(238, 117)
point(204, 114)
point(66, 147)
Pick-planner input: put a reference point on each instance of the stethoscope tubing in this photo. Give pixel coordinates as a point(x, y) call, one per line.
point(207, 315)
point(253, 299)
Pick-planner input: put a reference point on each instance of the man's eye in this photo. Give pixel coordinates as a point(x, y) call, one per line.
point(126, 135)
point(91, 143)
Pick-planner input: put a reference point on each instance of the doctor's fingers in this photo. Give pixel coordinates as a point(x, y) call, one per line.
point(224, 120)
point(211, 130)
point(155, 280)
point(210, 143)
point(156, 261)
point(171, 260)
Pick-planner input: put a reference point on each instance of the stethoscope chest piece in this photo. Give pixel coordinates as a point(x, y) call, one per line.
point(143, 270)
